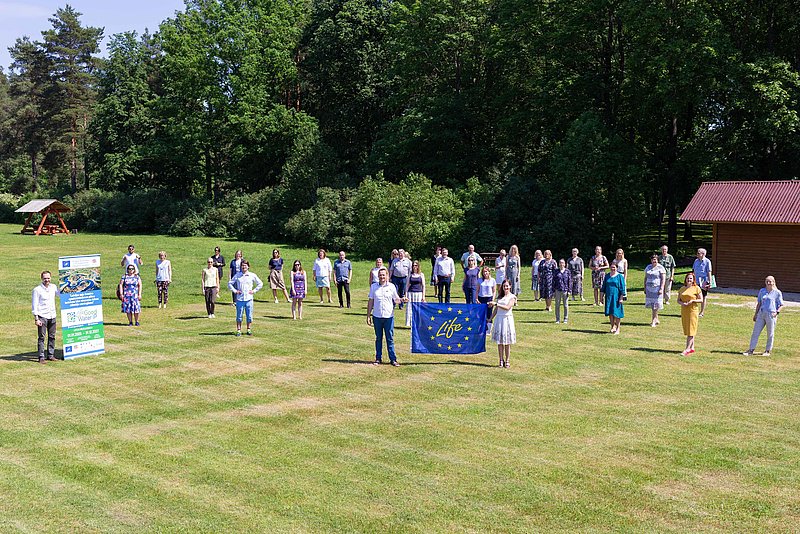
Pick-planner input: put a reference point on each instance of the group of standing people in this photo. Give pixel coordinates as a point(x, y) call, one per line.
point(551, 280)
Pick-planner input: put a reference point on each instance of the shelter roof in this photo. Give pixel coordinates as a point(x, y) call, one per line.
point(35, 206)
point(776, 202)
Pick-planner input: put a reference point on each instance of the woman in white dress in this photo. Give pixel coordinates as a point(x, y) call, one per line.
point(655, 276)
point(503, 331)
point(415, 289)
point(500, 267)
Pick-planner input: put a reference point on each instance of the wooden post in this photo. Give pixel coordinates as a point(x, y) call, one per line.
point(63, 224)
point(44, 220)
point(27, 222)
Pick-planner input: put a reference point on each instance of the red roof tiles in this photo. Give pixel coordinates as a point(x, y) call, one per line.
point(746, 202)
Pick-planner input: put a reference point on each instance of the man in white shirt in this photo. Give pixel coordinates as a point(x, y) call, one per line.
point(131, 258)
point(43, 307)
point(244, 285)
point(445, 272)
point(380, 315)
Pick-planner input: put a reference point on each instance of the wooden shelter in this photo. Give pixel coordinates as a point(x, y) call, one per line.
point(46, 208)
point(756, 231)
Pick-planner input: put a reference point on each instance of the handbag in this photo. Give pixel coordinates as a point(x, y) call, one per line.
point(713, 282)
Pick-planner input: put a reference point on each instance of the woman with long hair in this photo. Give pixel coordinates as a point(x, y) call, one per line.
point(513, 266)
point(415, 289)
point(503, 332)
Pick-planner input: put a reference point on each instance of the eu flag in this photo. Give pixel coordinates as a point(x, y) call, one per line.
point(448, 328)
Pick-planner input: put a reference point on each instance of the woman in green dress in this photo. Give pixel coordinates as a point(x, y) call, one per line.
point(616, 292)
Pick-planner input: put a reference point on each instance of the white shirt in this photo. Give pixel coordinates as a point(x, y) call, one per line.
point(245, 282)
point(43, 302)
point(373, 275)
point(445, 267)
point(162, 267)
point(323, 267)
point(487, 288)
point(383, 298)
point(131, 259)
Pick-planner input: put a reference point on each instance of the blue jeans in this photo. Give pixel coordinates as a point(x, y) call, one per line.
point(245, 306)
point(384, 327)
point(400, 284)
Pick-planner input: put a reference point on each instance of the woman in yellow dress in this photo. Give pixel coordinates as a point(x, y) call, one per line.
point(690, 296)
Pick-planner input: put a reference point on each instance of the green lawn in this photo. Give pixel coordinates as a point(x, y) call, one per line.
point(180, 426)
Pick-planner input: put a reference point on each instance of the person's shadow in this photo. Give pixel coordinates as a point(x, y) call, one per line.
point(30, 356)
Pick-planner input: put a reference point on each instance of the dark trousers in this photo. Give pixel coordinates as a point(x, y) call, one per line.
point(346, 287)
point(384, 327)
point(211, 299)
point(49, 328)
point(444, 289)
point(469, 295)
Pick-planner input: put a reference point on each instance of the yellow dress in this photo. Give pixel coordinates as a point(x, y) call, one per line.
point(689, 313)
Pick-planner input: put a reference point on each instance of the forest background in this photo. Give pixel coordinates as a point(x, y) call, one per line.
point(368, 124)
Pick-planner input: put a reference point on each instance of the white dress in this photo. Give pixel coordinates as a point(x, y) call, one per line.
point(503, 331)
point(500, 270)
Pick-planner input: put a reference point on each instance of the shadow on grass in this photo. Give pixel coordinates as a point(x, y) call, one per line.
point(282, 317)
point(647, 349)
point(734, 352)
point(116, 324)
point(30, 356)
point(229, 334)
point(580, 331)
point(191, 317)
point(538, 322)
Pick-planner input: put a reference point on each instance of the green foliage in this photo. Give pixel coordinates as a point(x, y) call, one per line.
point(142, 211)
point(8, 204)
point(328, 223)
point(594, 190)
point(413, 214)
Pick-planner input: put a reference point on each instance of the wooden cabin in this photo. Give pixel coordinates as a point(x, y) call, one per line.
point(756, 231)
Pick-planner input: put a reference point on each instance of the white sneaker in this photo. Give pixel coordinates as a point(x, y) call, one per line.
point(557, 321)
point(565, 321)
point(213, 316)
point(210, 316)
point(276, 301)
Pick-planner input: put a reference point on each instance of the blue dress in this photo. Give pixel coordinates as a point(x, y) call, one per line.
point(547, 272)
point(613, 288)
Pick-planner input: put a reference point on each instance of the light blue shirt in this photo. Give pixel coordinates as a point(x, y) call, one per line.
point(770, 300)
point(702, 271)
point(245, 282)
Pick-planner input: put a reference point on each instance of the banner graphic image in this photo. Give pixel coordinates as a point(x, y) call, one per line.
point(81, 305)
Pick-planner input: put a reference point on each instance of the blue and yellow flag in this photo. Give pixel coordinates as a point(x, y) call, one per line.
point(448, 328)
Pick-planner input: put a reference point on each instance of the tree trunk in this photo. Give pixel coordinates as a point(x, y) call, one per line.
point(209, 189)
point(34, 172)
point(73, 163)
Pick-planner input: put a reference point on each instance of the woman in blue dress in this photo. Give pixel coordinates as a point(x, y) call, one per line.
point(616, 292)
point(547, 272)
point(130, 290)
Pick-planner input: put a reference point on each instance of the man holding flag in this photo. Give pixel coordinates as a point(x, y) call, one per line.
point(380, 314)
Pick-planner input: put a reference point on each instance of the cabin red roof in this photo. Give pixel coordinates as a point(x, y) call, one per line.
point(746, 202)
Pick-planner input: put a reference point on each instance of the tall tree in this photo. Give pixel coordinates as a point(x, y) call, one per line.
point(70, 49)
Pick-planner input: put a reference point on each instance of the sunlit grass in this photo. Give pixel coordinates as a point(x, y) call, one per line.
point(182, 426)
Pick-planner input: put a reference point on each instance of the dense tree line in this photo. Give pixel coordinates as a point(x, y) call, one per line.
point(560, 122)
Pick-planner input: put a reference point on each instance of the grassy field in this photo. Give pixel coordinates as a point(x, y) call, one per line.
point(180, 426)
